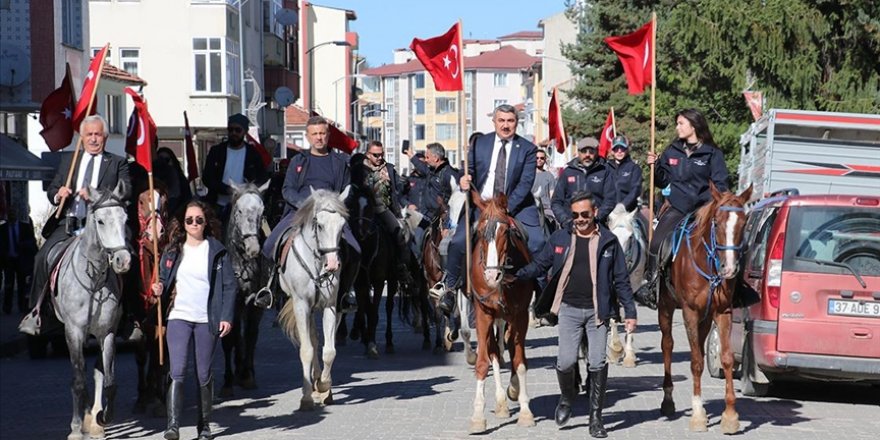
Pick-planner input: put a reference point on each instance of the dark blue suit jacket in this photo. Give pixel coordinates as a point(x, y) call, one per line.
point(521, 168)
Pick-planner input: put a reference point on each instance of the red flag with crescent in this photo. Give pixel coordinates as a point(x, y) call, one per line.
point(607, 135)
point(192, 165)
point(141, 137)
point(442, 58)
point(554, 120)
point(634, 52)
point(87, 95)
point(56, 114)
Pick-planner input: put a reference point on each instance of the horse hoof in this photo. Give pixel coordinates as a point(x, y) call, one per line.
point(501, 410)
point(372, 351)
point(306, 405)
point(329, 399)
point(526, 420)
point(698, 424)
point(226, 392)
point(87, 423)
point(477, 426)
point(512, 393)
point(103, 418)
point(322, 387)
point(629, 362)
point(447, 344)
point(471, 358)
point(667, 408)
point(389, 349)
point(74, 436)
point(96, 431)
point(729, 425)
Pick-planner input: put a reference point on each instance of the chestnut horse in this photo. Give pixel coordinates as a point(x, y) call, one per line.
point(500, 248)
point(701, 284)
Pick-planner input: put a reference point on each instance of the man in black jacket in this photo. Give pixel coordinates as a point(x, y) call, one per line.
point(585, 173)
point(627, 174)
point(233, 160)
point(587, 282)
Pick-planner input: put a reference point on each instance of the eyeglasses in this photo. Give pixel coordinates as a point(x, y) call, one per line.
point(234, 129)
point(583, 214)
point(541, 158)
point(590, 150)
point(618, 149)
point(376, 155)
point(198, 220)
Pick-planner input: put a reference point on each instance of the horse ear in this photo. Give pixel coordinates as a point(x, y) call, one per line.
point(262, 189)
point(120, 191)
point(478, 201)
point(715, 193)
point(344, 194)
point(746, 195)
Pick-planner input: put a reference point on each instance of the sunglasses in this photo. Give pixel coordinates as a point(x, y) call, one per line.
point(376, 155)
point(541, 158)
point(616, 149)
point(583, 214)
point(590, 150)
point(198, 220)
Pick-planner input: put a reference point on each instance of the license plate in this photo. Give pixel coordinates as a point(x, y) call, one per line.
point(869, 309)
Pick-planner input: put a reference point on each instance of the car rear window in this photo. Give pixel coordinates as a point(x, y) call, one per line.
point(821, 239)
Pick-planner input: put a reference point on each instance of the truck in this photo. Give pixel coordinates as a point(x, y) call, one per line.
point(812, 152)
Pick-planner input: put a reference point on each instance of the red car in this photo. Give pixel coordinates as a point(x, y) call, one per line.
point(815, 263)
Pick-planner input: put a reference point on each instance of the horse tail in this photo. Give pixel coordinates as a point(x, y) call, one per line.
point(287, 321)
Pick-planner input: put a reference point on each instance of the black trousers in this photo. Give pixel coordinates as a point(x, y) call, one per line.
point(41, 264)
point(665, 224)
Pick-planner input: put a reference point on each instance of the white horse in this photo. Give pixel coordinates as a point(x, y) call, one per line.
point(632, 239)
point(311, 279)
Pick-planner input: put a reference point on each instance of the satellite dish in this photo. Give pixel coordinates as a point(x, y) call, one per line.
point(287, 17)
point(283, 96)
point(15, 65)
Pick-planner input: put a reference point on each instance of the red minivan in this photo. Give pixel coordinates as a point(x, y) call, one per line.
point(815, 263)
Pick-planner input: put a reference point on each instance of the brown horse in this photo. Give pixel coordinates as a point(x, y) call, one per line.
point(500, 249)
point(701, 284)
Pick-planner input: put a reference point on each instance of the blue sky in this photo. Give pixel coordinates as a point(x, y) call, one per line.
point(385, 25)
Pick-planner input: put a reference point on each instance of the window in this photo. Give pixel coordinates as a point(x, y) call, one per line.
point(469, 82)
point(419, 81)
point(71, 23)
point(390, 136)
point(445, 105)
point(446, 132)
point(107, 59)
point(114, 110)
point(419, 132)
point(498, 102)
point(389, 88)
point(419, 106)
point(130, 59)
point(500, 80)
point(389, 113)
point(233, 68)
point(825, 239)
point(208, 59)
point(270, 11)
point(370, 84)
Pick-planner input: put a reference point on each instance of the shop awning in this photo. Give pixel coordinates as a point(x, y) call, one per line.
point(19, 164)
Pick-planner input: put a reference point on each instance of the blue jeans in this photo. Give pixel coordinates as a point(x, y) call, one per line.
point(572, 324)
point(179, 335)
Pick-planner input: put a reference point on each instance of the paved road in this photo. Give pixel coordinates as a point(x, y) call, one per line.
point(414, 395)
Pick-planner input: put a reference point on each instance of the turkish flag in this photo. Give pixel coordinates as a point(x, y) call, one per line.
point(442, 58)
point(141, 137)
point(90, 83)
point(607, 135)
point(56, 113)
point(554, 120)
point(192, 165)
point(338, 139)
point(265, 157)
point(755, 101)
point(634, 52)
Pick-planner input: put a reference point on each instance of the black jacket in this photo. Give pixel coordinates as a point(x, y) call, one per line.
point(221, 299)
point(295, 189)
point(628, 181)
point(436, 185)
point(612, 280)
point(689, 176)
point(598, 179)
point(215, 164)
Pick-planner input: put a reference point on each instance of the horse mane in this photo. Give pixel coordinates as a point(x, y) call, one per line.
point(320, 198)
point(705, 214)
point(494, 211)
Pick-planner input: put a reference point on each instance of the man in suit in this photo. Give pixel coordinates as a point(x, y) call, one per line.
point(95, 168)
point(233, 160)
point(499, 162)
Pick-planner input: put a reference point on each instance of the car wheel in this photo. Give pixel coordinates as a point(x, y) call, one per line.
point(713, 353)
point(749, 387)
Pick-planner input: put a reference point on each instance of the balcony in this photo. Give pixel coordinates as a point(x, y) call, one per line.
point(277, 76)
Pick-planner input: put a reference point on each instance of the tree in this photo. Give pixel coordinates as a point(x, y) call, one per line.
point(804, 54)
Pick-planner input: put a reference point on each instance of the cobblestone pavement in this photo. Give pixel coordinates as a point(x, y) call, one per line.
point(415, 394)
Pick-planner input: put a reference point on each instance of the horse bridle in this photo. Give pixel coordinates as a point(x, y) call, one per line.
point(318, 254)
point(712, 260)
point(502, 269)
point(92, 271)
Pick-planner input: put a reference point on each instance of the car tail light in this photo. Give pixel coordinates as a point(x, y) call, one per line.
point(774, 270)
point(867, 201)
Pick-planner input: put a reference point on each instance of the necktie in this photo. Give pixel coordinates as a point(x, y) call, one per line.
point(501, 167)
point(87, 181)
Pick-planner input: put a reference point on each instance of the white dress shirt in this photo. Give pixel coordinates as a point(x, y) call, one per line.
point(489, 190)
point(80, 174)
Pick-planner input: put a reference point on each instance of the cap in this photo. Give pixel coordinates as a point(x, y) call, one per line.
point(620, 141)
point(240, 120)
point(587, 142)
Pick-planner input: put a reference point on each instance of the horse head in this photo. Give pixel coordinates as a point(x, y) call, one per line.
point(329, 217)
point(621, 224)
point(411, 219)
point(728, 221)
point(246, 218)
point(492, 240)
point(106, 221)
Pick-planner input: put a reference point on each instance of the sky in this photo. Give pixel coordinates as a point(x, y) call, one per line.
point(385, 25)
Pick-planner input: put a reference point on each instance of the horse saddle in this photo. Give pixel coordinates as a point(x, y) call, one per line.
point(53, 259)
point(282, 246)
point(671, 244)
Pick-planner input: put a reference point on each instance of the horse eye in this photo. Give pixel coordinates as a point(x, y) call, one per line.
point(101, 222)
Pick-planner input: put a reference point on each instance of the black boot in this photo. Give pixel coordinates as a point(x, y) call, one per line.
point(567, 393)
point(174, 401)
point(598, 383)
point(646, 294)
point(206, 403)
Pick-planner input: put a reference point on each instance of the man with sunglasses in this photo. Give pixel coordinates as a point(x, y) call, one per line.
point(233, 160)
point(588, 278)
point(585, 173)
point(545, 182)
point(627, 174)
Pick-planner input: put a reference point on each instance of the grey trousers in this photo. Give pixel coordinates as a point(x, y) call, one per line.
point(573, 322)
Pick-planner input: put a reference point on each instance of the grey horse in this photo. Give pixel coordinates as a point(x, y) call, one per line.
point(88, 302)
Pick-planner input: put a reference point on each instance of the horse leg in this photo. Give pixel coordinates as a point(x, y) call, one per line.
point(519, 368)
point(306, 352)
point(665, 311)
point(252, 318)
point(75, 339)
point(501, 410)
point(228, 344)
point(629, 358)
point(729, 418)
point(464, 309)
point(328, 355)
point(362, 296)
point(481, 370)
point(615, 348)
point(374, 297)
point(341, 329)
point(696, 333)
point(103, 416)
point(389, 313)
point(141, 358)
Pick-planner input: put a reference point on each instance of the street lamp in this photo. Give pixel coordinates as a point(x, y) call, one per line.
point(312, 67)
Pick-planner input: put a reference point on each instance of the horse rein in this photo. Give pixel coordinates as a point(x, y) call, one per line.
point(320, 280)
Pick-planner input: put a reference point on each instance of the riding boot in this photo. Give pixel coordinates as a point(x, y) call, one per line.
point(568, 392)
point(646, 294)
point(206, 403)
point(174, 401)
point(598, 384)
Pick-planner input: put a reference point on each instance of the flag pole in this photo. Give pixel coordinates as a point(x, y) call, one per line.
point(154, 216)
point(79, 141)
point(462, 109)
point(653, 116)
point(613, 123)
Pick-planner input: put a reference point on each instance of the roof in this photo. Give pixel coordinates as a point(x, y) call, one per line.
point(295, 115)
point(523, 35)
point(505, 58)
point(17, 163)
point(112, 72)
point(478, 41)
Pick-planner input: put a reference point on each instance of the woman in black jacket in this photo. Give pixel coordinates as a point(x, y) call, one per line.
point(196, 278)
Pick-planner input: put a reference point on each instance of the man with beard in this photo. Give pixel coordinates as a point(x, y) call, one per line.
point(585, 173)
